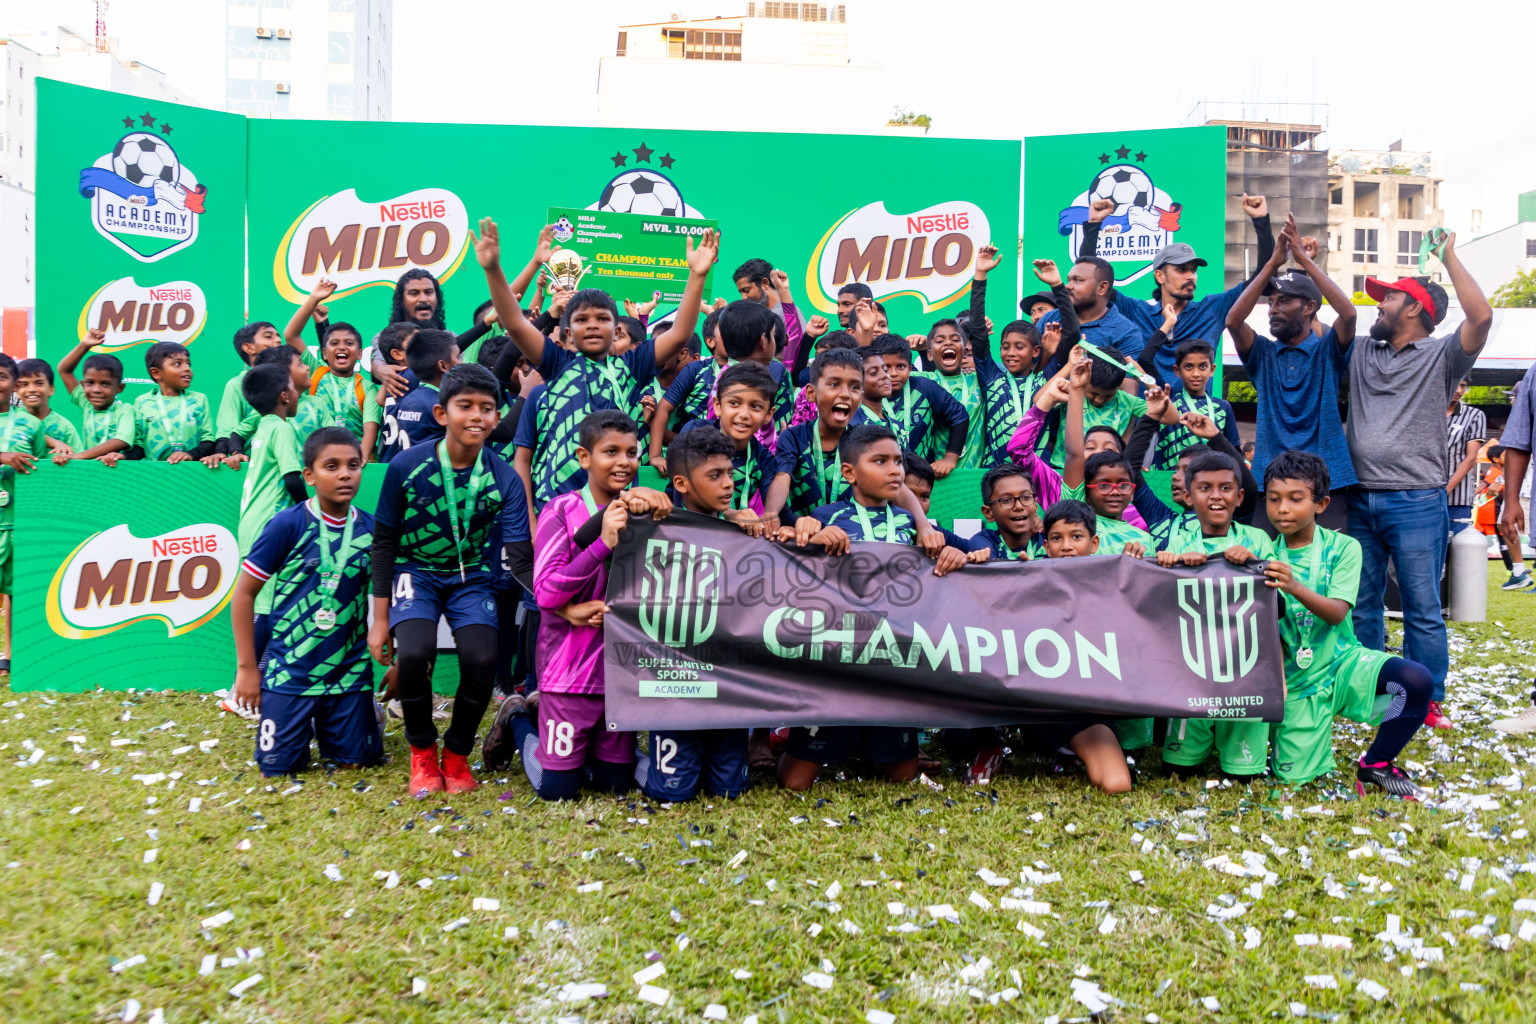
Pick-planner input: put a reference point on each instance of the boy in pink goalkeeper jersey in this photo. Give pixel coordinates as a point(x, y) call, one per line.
point(560, 729)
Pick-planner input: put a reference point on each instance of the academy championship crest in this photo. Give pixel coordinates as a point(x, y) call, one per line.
point(1145, 218)
point(144, 200)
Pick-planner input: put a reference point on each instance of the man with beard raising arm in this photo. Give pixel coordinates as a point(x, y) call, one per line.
point(1297, 372)
point(1400, 381)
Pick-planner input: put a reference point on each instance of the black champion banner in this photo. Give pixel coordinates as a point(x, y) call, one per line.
point(711, 629)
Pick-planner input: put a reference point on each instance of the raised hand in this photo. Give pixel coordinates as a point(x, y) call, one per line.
point(544, 248)
point(1099, 209)
point(1255, 206)
point(701, 259)
point(323, 289)
point(488, 244)
point(1157, 402)
point(817, 326)
point(1048, 273)
point(987, 259)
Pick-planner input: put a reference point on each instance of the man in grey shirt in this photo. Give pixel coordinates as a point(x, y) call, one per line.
point(1400, 382)
point(1519, 433)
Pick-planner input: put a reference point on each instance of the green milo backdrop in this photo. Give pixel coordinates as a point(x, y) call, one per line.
point(162, 222)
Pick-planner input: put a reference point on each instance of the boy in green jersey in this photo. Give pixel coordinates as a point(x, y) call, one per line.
point(345, 397)
point(106, 422)
point(34, 389)
point(1327, 670)
point(274, 480)
point(1213, 483)
point(173, 423)
point(308, 415)
point(236, 419)
point(1103, 479)
point(22, 443)
point(1106, 404)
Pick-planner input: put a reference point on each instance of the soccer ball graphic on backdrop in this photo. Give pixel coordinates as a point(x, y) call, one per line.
point(1128, 186)
point(141, 158)
point(643, 192)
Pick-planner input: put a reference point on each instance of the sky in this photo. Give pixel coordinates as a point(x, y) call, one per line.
point(983, 68)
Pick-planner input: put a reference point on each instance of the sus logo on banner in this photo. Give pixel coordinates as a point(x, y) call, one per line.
point(144, 200)
point(680, 592)
point(133, 314)
point(926, 254)
point(1219, 627)
point(183, 578)
point(358, 243)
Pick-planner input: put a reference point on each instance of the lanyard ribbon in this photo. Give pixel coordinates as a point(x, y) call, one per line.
point(472, 489)
point(1130, 367)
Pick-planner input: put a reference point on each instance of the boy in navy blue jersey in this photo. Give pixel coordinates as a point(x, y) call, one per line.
point(392, 344)
point(872, 465)
point(925, 417)
point(1008, 502)
point(447, 515)
point(1010, 381)
point(686, 397)
point(744, 405)
point(703, 477)
point(313, 678)
point(1195, 363)
point(809, 473)
point(586, 377)
point(432, 354)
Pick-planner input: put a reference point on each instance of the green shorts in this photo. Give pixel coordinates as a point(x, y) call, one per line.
point(1303, 743)
point(1133, 733)
point(5, 561)
point(1241, 745)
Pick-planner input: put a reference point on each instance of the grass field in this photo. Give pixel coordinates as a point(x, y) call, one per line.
point(144, 861)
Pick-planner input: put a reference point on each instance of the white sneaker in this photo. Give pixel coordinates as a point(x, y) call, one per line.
point(1522, 724)
point(234, 707)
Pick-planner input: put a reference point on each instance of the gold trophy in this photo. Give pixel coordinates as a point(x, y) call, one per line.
point(565, 269)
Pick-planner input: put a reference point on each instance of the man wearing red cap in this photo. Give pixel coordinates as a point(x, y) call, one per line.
point(1400, 381)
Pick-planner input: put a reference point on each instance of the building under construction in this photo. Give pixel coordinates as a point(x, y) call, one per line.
point(1273, 152)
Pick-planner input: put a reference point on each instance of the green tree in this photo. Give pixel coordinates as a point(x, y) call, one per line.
point(1518, 293)
point(903, 116)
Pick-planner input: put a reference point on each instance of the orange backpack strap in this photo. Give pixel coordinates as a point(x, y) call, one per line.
point(314, 379)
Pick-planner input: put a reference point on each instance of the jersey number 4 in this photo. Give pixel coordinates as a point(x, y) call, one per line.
point(404, 591)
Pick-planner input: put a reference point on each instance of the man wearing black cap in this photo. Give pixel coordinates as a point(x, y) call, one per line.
point(1297, 372)
point(1176, 270)
point(1400, 381)
point(1036, 306)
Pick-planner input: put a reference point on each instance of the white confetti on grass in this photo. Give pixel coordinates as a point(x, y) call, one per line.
point(652, 994)
point(241, 988)
point(816, 979)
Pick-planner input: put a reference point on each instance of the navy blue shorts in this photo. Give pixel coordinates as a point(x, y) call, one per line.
point(346, 725)
point(425, 594)
point(832, 744)
point(680, 760)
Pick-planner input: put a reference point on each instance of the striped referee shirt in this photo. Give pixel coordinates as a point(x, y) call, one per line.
point(1463, 424)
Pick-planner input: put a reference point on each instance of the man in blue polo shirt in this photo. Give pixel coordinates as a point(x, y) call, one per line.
point(1297, 372)
point(1091, 283)
point(1176, 270)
